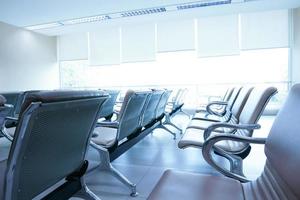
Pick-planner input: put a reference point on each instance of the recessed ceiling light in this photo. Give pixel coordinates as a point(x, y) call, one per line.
point(203, 4)
point(86, 20)
point(143, 12)
point(44, 26)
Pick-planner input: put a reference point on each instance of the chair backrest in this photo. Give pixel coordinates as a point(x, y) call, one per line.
point(51, 140)
point(176, 96)
point(280, 179)
point(131, 113)
point(256, 103)
point(150, 110)
point(2, 100)
point(13, 99)
point(3, 110)
point(160, 110)
point(232, 98)
point(240, 101)
point(228, 94)
point(108, 106)
point(180, 100)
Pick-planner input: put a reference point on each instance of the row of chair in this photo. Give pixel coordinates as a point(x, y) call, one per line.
point(278, 181)
point(240, 115)
point(140, 113)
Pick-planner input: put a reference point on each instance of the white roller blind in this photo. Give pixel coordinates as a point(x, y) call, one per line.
point(218, 36)
point(265, 30)
point(176, 35)
point(105, 47)
point(73, 47)
point(138, 43)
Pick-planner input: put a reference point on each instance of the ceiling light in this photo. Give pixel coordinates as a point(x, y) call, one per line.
point(86, 20)
point(44, 26)
point(202, 4)
point(143, 12)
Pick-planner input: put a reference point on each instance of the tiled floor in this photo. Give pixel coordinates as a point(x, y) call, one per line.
point(144, 163)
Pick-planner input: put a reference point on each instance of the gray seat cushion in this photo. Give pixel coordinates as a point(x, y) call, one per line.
point(104, 136)
point(203, 124)
point(189, 186)
point(204, 115)
point(194, 137)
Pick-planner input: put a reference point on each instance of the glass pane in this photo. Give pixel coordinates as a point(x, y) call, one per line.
point(204, 77)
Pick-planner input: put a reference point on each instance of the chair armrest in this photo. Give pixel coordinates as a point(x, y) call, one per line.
point(235, 171)
point(220, 103)
point(113, 124)
point(8, 105)
point(14, 119)
point(212, 127)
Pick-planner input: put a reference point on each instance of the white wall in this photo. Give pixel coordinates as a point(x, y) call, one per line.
point(296, 47)
point(27, 60)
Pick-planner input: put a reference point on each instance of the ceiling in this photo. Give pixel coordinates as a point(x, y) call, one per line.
point(24, 13)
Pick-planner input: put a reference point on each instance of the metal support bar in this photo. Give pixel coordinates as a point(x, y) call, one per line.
point(4, 133)
point(161, 126)
point(105, 165)
point(183, 112)
point(168, 121)
point(85, 192)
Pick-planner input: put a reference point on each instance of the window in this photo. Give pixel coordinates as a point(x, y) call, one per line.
point(202, 76)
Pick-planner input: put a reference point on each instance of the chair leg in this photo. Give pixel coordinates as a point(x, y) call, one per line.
point(183, 112)
point(236, 163)
point(161, 126)
point(125, 181)
point(168, 121)
point(85, 192)
point(105, 165)
point(4, 133)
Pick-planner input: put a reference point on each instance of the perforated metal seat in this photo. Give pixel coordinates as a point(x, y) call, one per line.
point(47, 148)
point(108, 107)
point(149, 114)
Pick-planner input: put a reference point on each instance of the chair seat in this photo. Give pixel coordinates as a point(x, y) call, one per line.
point(203, 124)
point(205, 115)
point(190, 186)
point(104, 136)
point(194, 137)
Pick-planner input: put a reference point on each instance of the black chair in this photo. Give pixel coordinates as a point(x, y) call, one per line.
point(13, 98)
point(49, 146)
point(107, 110)
point(149, 114)
point(161, 116)
point(108, 136)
